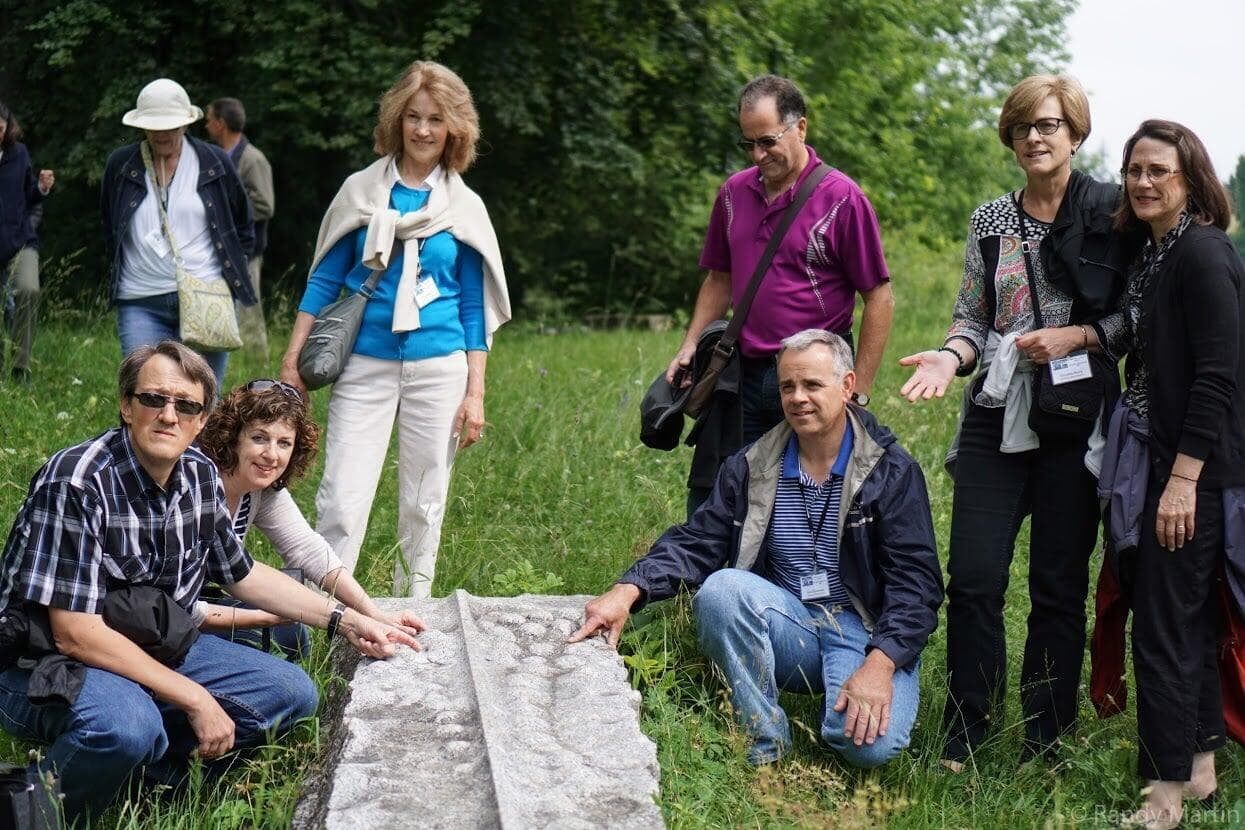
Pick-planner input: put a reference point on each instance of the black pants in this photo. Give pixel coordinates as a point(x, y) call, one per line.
point(1176, 624)
point(993, 493)
point(761, 411)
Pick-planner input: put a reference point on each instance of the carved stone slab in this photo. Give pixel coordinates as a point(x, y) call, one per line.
point(496, 724)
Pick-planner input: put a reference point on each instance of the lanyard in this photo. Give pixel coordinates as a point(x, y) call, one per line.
point(821, 523)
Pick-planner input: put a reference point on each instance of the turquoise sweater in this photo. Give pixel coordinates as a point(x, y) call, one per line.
point(454, 321)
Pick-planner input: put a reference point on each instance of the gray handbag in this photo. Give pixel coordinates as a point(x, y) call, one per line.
point(328, 346)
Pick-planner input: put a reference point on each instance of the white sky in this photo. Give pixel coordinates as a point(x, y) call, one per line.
point(1177, 59)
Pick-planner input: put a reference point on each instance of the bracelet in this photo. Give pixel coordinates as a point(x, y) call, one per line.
point(959, 359)
point(1186, 478)
point(335, 618)
point(1084, 333)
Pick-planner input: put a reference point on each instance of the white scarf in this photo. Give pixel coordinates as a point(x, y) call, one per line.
point(363, 201)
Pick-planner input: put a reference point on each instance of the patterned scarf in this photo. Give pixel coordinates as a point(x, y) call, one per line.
point(1136, 295)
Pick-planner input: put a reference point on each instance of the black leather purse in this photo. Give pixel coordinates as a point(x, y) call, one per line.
point(1065, 410)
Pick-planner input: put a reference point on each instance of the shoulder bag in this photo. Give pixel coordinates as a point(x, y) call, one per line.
point(1064, 410)
point(331, 340)
point(206, 316)
point(724, 350)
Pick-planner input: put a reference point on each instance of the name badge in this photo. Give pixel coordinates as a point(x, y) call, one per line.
point(1073, 367)
point(814, 587)
point(157, 243)
point(426, 291)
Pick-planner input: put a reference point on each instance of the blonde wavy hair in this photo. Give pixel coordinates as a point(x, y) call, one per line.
point(450, 94)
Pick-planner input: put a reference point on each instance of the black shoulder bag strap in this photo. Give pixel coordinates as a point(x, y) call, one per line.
point(731, 335)
point(702, 393)
point(1034, 300)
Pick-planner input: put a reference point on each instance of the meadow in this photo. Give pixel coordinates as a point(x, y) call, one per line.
point(559, 497)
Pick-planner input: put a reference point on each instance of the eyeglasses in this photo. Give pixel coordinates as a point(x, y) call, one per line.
point(1045, 126)
point(1156, 173)
point(264, 384)
point(765, 142)
point(153, 400)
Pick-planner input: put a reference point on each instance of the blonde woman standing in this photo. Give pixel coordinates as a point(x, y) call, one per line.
point(419, 360)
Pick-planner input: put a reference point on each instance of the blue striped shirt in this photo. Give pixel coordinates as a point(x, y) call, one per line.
point(805, 512)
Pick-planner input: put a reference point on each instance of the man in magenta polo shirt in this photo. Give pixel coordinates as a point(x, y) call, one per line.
point(832, 252)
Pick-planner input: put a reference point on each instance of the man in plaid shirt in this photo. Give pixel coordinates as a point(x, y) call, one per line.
point(138, 506)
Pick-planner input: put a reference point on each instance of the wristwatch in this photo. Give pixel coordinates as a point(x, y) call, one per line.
point(861, 398)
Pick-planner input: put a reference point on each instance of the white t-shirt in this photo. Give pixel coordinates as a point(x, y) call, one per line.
point(147, 267)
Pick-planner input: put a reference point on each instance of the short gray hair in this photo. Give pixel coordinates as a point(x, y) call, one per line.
point(187, 359)
point(802, 341)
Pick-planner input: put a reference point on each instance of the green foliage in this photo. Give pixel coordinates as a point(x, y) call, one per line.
point(607, 125)
point(523, 578)
point(562, 486)
point(1236, 190)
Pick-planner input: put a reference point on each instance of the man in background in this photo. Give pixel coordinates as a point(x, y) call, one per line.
point(226, 119)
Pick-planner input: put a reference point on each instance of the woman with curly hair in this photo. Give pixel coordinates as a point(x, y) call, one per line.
point(262, 437)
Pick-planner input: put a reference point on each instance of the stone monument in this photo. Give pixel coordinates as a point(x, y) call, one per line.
point(497, 723)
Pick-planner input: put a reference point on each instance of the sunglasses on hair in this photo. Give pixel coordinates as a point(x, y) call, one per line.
point(264, 384)
point(153, 400)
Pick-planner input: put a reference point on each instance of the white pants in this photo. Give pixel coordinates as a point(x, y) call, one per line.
point(422, 396)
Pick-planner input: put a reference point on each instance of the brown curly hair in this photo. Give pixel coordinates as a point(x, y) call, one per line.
point(219, 438)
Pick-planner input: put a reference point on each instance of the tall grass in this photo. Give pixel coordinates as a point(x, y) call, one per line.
point(560, 496)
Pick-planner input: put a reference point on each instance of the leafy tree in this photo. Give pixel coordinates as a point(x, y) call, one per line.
point(1236, 189)
point(607, 125)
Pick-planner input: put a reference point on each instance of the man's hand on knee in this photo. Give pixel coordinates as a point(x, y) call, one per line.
point(608, 614)
point(866, 697)
point(213, 728)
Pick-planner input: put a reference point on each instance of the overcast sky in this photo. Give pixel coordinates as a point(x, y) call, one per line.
point(1177, 59)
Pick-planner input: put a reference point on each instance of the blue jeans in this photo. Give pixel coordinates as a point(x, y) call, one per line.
point(148, 320)
point(764, 640)
point(292, 639)
point(116, 726)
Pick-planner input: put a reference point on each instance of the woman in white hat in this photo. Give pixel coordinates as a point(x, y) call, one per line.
point(170, 198)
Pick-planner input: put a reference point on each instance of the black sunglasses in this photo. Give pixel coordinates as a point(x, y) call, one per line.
point(264, 384)
point(153, 400)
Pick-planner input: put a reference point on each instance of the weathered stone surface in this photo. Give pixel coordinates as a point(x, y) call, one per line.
point(497, 723)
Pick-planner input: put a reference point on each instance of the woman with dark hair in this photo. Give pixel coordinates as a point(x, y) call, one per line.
point(20, 194)
point(1043, 273)
point(420, 354)
point(1186, 388)
point(262, 438)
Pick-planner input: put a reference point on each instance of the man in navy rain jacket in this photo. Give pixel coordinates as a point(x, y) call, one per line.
point(816, 565)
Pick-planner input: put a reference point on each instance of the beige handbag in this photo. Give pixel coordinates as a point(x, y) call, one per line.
point(207, 319)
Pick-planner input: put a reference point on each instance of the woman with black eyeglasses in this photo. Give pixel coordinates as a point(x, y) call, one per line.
point(1052, 241)
point(1186, 393)
point(262, 437)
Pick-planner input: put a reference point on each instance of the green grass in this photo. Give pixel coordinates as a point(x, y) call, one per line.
point(560, 496)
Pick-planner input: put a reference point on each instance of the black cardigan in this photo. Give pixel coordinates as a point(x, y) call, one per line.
point(1196, 357)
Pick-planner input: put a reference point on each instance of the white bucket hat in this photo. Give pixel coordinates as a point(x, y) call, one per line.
point(162, 105)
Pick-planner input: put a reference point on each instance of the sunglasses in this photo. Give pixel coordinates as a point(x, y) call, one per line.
point(264, 384)
point(765, 142)
point(152, 400)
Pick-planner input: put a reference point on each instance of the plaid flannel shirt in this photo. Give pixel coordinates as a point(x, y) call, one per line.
point(94, 520)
